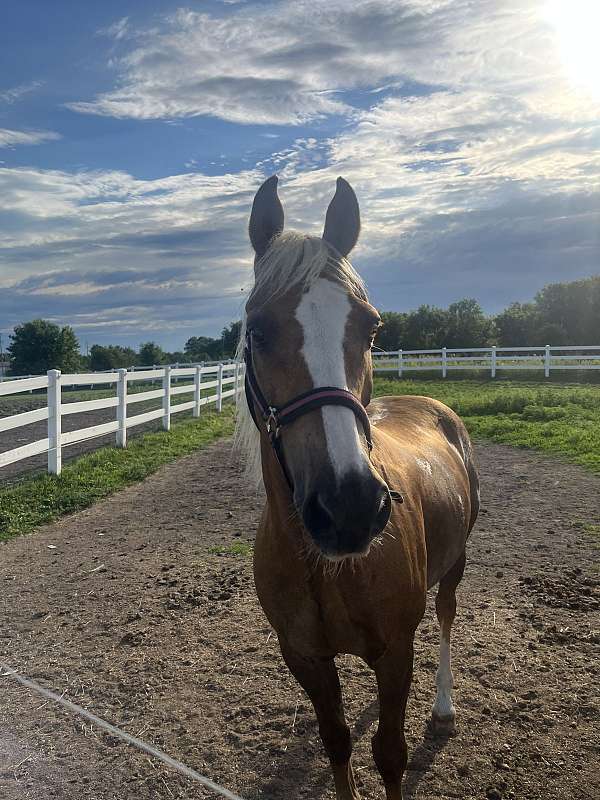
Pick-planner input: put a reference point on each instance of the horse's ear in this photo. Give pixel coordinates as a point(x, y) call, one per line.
point(266, 219)
point(342, 223)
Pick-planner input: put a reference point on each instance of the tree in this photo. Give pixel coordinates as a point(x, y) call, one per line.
point(517, 325)
point(425, 329)
point(392, 333)
point(230, 337)
point(575, 307)
point(111, 357)
point(150, 354)
point(176, 357)
point(203, 348)
point(467, 325)
point(39, 345)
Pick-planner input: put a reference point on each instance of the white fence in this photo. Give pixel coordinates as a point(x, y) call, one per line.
point(224, 379)
point(488, 359)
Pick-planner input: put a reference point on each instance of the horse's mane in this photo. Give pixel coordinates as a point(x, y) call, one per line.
point(293, 259)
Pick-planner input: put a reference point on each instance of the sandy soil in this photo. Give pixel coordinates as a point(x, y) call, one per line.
point(126, 610)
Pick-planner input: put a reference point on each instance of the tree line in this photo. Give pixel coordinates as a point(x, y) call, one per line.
point(40, 345)
point(560, 314)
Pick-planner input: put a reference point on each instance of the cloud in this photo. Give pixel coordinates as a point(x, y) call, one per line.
point(476, 163)
point(10, 138)
point(290, 62)
point(10, 96)
point(118, 30)
point(282, 64)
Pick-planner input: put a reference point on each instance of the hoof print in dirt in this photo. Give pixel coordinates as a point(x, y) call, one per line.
point(132, 639)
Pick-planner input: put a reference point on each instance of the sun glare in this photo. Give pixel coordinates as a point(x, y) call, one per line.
point(577, 24)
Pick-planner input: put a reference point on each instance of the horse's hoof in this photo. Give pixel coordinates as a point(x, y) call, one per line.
point(443, 727)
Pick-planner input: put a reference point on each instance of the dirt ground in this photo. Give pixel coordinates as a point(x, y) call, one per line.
point(126, 610)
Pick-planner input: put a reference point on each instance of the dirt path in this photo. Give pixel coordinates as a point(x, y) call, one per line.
point(125, 609)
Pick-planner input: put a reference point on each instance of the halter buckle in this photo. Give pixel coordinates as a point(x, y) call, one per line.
point(272, 423)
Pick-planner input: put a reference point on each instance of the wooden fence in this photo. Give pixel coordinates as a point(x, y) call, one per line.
point(224, 379)
point(488, 359)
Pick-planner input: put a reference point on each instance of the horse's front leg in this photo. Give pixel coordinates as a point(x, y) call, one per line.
point(394, 675)
point(319, 679)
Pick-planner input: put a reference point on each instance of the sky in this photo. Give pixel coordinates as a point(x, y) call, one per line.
point(134, 135)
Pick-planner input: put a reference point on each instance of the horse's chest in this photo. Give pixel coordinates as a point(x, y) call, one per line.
point(323, 616)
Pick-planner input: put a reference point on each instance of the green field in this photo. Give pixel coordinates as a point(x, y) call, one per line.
point(559, 418)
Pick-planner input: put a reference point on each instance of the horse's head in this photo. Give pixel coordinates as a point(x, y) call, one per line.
point(310, 325)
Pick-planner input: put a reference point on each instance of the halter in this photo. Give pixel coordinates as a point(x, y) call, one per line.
point(276, 418)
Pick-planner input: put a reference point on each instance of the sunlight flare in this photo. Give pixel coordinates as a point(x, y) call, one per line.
point(577, 23)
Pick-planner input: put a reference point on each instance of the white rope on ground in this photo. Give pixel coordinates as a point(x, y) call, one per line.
point(7, 672)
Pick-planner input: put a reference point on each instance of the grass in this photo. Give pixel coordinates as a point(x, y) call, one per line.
point(563, 419)
point(44, 498)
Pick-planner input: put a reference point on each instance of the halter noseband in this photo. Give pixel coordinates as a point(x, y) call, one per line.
point(276, 418)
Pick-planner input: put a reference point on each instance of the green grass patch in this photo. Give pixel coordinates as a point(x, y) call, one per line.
point(43, 498)
point(558, 418)
point(243, 549)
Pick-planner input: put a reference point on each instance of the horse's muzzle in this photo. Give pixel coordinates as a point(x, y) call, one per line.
point(343, 519)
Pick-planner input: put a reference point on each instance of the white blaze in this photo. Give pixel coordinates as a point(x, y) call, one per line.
point(323, 312)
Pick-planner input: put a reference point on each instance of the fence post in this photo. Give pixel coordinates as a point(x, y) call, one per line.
point(236, 382)
point(122, 408)
point(220, 388)
point(54, 422)
point(547, 361)
point(444, 363)
point(197, 391)
point(493, 361)
point(166, 420)
point(400, 363)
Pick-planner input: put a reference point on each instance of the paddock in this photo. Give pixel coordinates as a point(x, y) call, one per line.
point(142, 609)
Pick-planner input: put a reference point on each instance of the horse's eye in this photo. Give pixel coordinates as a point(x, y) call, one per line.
point(258, 336)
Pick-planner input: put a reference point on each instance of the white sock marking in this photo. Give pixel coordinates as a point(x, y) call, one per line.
point(443, 706)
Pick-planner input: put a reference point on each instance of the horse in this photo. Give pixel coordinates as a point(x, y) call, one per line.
point(369, 502)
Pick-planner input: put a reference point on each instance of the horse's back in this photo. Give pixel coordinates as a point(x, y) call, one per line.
point(426, 445)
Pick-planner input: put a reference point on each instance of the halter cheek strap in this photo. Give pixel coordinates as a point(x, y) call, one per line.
point(275, 418)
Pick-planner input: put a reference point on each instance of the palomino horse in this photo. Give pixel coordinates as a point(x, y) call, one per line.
point(363, 513)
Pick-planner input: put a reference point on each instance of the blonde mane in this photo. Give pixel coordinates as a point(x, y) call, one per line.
point(293, 259)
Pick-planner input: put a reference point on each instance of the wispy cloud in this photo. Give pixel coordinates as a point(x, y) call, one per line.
point(13, 95)
point(117, 31)
point(9, 138)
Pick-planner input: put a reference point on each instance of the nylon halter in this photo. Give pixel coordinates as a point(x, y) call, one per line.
point(275, 418)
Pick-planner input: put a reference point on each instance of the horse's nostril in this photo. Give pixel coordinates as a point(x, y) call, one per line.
point(317, 516)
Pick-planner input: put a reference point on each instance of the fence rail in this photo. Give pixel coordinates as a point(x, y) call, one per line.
point(489, 359)
point(224, 378)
